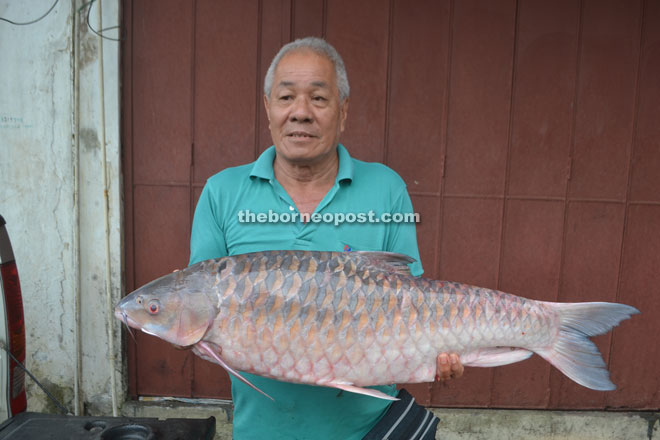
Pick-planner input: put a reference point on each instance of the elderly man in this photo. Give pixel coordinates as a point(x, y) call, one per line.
point(307, 171)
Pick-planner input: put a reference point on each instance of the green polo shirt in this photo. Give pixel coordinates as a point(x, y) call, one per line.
point(232, 217)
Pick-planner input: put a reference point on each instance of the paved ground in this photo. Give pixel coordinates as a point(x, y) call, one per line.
point(464, 424)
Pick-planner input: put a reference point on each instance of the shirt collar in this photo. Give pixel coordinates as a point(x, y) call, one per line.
point(263, 166)
point(345, 171)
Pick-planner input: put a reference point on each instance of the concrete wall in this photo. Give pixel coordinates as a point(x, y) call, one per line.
point(52, 194)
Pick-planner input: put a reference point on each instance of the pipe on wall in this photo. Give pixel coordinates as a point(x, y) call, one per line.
point(106, 211)
point(77, 371)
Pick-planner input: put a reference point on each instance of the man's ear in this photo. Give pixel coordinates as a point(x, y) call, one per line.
point(267, 109)
point(343, 113)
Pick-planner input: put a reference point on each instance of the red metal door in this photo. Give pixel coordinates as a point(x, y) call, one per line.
point(527, 132)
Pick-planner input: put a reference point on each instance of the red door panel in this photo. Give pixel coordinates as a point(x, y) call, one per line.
point(359, 31)
point(635, 349)
point(226, 94)
point(607, 82)
point(543, 98)
point(531, 250)
point(417, 98)
point(162, 97)
point(646, 154)
point(160, 216)
point(526, 132)
point(479, 97)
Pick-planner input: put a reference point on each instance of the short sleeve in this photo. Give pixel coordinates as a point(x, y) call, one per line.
point(207, 238)
point(402, 236)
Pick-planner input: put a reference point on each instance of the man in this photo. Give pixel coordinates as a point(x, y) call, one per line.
point(307, 171)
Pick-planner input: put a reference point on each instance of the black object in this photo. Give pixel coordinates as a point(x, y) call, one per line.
point(37, 426)
point(405, 419)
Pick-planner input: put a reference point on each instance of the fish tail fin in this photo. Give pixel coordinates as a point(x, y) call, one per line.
point(572, 352)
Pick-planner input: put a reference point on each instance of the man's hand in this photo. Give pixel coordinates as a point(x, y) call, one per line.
point(448, 367)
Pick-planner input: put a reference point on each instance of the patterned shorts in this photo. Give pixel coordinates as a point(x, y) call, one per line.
point(405, 420)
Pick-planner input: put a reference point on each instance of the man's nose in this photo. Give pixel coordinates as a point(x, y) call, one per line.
point(301, 111)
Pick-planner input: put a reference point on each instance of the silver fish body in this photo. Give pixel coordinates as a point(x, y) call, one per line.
point(354, 319)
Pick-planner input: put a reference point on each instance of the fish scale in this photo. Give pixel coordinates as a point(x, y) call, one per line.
point(355, 319)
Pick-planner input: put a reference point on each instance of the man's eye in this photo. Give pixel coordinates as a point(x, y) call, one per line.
point(286, 98)
point(319, 98)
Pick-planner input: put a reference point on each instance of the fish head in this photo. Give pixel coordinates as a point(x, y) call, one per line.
point(174, 308)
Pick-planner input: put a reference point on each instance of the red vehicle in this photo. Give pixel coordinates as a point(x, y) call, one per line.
point(16, 423)
point(12, 332)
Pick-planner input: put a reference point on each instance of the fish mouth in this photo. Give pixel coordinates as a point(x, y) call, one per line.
point(128, 322)
point(123, 317)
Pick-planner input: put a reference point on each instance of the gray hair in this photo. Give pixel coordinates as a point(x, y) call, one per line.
point(319, 46)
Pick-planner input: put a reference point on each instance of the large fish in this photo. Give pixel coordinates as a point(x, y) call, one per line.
point(354, 319)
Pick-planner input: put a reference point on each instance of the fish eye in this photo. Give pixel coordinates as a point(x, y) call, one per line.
point(153, 307)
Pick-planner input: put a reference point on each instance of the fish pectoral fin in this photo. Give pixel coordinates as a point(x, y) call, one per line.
point(494, 356)
point(347, 386)
point(205, 348)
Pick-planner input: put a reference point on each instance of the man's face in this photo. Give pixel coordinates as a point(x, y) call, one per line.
point(304, 112)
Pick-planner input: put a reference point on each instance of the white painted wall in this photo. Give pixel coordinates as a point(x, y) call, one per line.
point(52, 194)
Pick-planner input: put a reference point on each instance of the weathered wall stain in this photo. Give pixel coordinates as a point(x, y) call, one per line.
point(651, 419)
point(89, 139)
point(89, 49)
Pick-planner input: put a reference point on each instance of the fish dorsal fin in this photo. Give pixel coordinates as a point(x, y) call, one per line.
point(388, 261)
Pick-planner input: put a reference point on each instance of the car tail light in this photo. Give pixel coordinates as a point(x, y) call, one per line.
point(15, 325)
